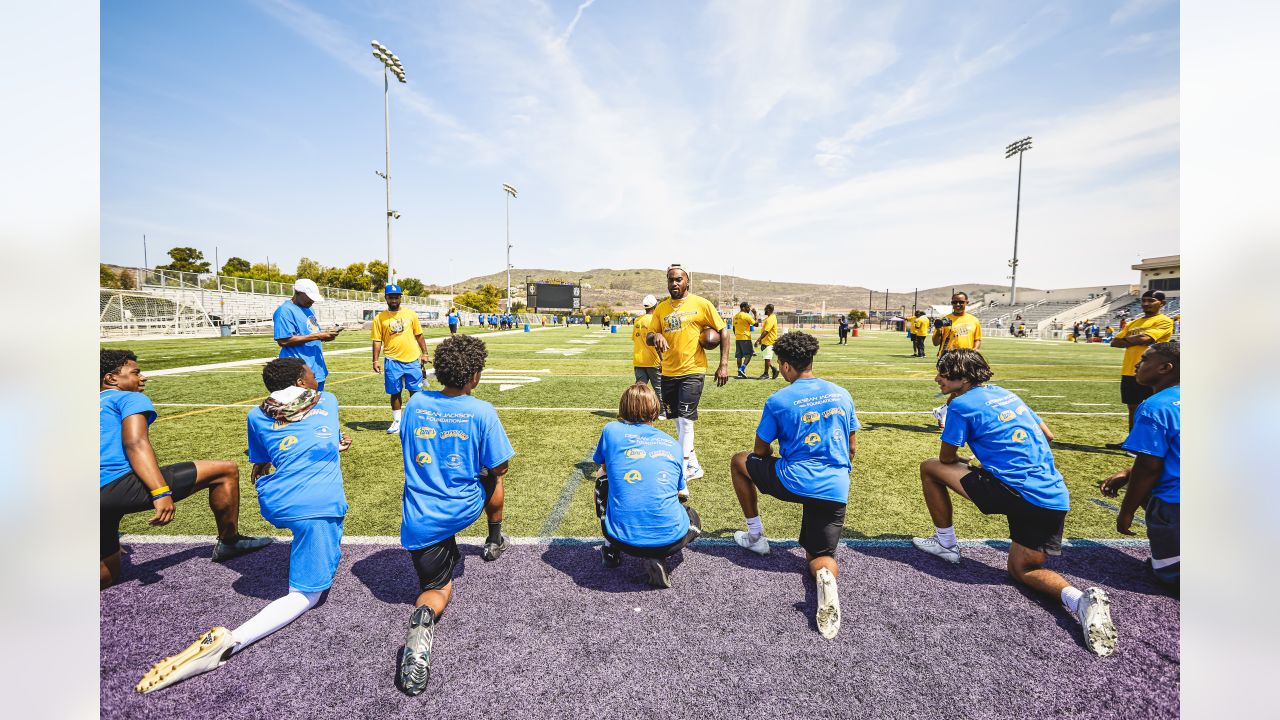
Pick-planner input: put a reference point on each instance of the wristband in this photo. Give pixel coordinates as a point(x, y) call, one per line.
point(164, 494)
point(162, 490)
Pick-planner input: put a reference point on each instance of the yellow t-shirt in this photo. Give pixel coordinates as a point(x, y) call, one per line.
point(742, 323)
point(681, 322)
point(398, 331)
point(920, 326)
point(964, 332)
point(1158, 327)
point(768, 330)
point(643, 355)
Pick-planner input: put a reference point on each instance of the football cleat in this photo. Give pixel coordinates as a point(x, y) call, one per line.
point(415, 656)
point(223, 551)
point(828, 604)
point(394, 427)
point(492, 551)
point(1094, 614)
point(933, 547)
point(759, 546)
point(208, 653)
point(612, 557)
point(656, 573)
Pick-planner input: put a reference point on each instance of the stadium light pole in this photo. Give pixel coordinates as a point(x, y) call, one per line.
point(390, 66)
point(1016, 147)
point(509, 192)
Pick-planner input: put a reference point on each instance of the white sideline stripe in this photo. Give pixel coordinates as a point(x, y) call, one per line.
point(602, 409)
point(263, 361)
point(596, 540)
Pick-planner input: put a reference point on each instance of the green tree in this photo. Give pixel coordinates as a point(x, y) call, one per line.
point(376, 271)
point(413, 286)
point(517, 306)
point(107, 278)
point(484, 299)
point(127, 280)
point(186, 259)
point(236, 267)
point(354, 278)
point(856, 317)
point(310, 269)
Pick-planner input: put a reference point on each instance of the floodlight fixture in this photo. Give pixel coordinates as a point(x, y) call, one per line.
point(1017, 147)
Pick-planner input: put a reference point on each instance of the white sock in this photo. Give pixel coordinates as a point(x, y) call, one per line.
point(277, 614)
point(684, 430)
point(395, 414)
point(755, 527)
point(946, 536)
point(1071, 597)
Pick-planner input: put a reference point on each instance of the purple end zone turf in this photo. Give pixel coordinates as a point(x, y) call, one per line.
point(547, 632)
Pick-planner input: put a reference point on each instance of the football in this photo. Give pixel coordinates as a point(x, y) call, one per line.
point(710, 339)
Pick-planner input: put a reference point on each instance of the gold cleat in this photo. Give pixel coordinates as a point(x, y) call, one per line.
point(208, 653)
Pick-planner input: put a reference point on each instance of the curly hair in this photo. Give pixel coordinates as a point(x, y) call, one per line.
point(1167, 350)
point(964, 364)
point(282, 373)
point(459, 358)
point(110, 361)
point(796, 349)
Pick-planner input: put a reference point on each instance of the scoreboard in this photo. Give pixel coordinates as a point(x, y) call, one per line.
point(553, 296)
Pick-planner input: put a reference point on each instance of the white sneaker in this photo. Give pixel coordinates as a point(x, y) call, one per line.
point(828, 604)
point(208, 653)
point(933, 547)
point(1094, 614)
point(693, 472)
point(394, 427)
point(759, 546)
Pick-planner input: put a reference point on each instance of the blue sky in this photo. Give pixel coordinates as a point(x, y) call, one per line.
point(855, 143)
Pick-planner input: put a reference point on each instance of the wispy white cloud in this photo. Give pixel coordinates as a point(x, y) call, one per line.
point(1136, 8)
point(1164, 41)
point(568, 32)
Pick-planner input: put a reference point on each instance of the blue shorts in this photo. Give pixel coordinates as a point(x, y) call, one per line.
point(314, 552)
point(398, 375)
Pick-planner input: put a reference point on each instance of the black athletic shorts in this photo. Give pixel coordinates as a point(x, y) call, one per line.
point(680, 395)
point(665, 551)
point(821, 522)
point(743, 349)
point(1131, 393)
point(127, 495)
point(1031, 526)
point(435, 563)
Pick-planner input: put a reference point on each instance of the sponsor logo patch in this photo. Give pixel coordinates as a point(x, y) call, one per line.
point(426, 433)
point(453, 434)
point(810, 416)
point(1007, 415)
point(636, 453)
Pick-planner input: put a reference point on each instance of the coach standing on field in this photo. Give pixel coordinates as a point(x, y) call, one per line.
point(297, 331)
point(1153, 327)
point(678, 324)
point(959, 329)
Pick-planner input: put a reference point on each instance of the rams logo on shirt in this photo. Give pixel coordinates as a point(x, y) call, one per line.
point(633, 476)
point(288, 442)
point(1006, 416)
point(423, 458)
point(810, 416)
point(1019, 435)
point(635, 453)
point(426, 433)
point(812, 439)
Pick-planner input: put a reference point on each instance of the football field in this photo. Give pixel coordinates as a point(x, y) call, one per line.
point(546, 632)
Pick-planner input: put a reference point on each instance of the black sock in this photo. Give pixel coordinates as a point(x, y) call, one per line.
point(495, 533)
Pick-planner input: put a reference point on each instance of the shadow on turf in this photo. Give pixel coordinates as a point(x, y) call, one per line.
point(369, 425)
point(582, 564)
point(149, 573)
point(1096, 449)
point(927, 428)
point(390, 576)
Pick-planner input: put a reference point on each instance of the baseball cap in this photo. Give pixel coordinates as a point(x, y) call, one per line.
point(308, 288)
point(1158, 295)
point(393, 289)
point(649, 301)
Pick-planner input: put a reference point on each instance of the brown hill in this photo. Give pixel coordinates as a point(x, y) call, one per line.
point(624, 289)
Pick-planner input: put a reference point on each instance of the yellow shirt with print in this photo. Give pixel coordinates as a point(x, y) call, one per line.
point(920, 326)
point(398, 331)
point(965, 331)
point(742, 323)
point(769, 330)
point(1159, 327)
point(681, 322)
point(643, 355)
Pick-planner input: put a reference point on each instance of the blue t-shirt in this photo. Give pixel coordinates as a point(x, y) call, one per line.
point(1004, 434)
point(446, 441)
point(290, 320)
point(307, 482)
point(113, 407)
point(811, 419)
point(646, 471)
point(1157, 431)
point(453, 318)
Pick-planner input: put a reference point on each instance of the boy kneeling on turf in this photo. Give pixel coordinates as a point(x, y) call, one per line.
point(638, 488)
point(455, 454)
point(1155, 479)
point(1017, 479)
point(815, 425)
point(296, 430)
